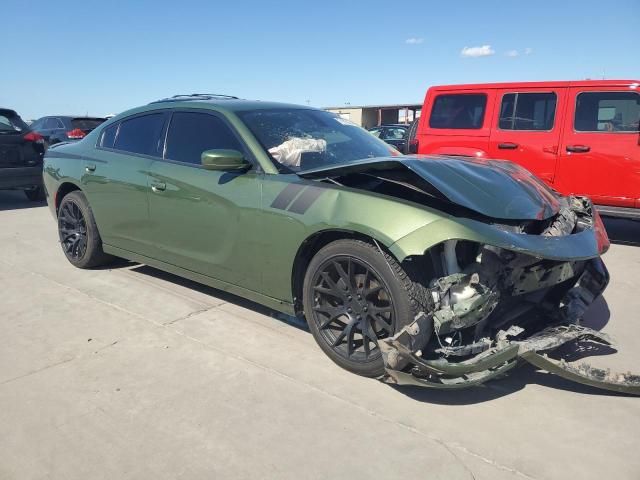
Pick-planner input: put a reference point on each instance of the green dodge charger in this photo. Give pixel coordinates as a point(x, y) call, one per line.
point(435, 271)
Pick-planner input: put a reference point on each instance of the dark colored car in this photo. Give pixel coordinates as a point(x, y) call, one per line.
point(21, 152)
point(431, 271)
point(394, 134)
point(56, 129)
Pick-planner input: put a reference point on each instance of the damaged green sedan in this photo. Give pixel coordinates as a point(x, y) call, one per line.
point(440, 272)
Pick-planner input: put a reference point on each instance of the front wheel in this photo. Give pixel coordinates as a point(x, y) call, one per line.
point(354, 294)
point(78, 232)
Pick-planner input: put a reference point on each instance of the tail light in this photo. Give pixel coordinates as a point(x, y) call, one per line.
point(76, 134)
point(601, 233)
point(34, 137)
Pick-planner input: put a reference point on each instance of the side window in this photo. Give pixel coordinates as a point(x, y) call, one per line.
point(375, 132)
point(109, 136)
point(140, 134)
point(395, 133)
point(460, 111)
point(190, 134)
point(52, 123)
point(528, 111)
point(607, 112)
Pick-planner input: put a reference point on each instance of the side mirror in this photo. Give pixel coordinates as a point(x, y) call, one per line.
point(225, 160)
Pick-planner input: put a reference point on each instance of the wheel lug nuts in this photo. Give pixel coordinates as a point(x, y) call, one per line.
point(349, 310)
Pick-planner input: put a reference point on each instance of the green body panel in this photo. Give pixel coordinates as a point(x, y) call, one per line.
point(242, 231)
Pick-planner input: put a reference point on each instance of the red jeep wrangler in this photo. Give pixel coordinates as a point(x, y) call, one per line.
point(580, 137)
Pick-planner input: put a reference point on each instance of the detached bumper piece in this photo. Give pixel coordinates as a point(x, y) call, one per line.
point(487, 359)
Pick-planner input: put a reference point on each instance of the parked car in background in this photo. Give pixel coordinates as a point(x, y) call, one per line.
point(393, 134)
point(580, 137)
point(60, 128)
point(21, 152)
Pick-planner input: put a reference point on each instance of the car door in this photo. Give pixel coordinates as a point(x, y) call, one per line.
point(116, 181)
point(206, 221)
point(600, 152)
point(526, 131)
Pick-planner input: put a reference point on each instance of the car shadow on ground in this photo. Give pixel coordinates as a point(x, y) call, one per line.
point(16, 200)
point(623, 231)
point(596, 318)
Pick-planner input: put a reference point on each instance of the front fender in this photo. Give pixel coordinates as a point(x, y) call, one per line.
point(578, 246)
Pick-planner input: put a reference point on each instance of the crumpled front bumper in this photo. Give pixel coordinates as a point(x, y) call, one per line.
point(405, 364)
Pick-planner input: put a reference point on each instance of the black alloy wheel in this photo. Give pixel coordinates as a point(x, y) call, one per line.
point(352, 308)
point(72, 228)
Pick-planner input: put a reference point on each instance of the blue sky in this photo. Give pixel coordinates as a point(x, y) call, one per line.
point(101, 57)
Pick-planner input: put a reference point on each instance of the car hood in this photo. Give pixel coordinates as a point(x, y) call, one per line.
point(494, 188)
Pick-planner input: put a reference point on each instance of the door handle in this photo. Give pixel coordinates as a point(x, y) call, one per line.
point(158, 186)
point(507, 146)
point(578, 148)
point(90, 168)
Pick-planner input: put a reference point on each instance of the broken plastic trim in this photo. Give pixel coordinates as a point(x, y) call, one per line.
point(504, 352)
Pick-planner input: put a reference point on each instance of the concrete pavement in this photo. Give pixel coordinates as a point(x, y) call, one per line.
point(131, 373)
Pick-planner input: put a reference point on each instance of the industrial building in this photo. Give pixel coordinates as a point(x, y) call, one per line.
point(368, 116)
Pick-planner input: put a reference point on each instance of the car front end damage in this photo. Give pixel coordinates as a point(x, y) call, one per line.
point(494, 306)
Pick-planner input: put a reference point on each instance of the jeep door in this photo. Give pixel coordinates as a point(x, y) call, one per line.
point(116, 180)
point(206, 221)
point(526, 128)
point(600, 152)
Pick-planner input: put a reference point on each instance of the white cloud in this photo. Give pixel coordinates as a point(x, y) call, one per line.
point(483, 51)
point(512, 53)
point(414, 40)
point(528, 51)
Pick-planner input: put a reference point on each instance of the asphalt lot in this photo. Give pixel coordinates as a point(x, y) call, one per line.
point(130, 373)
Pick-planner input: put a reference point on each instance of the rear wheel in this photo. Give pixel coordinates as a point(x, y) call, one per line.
point(79, 237)
point(355, 295)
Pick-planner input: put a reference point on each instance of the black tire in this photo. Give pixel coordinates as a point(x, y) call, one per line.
point(78, 233)
point(363, 303)
point(35, 194)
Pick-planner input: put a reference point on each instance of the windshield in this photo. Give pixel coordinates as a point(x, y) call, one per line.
point(10, 122)
point(299, 139)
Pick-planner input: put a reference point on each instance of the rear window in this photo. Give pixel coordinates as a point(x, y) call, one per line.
point(527, 111)
point(607, 112)
point(11, 122)
point(86, 123)
point(140, 134)
point(460, 111)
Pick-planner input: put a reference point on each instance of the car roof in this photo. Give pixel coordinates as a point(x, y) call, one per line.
point(549, 84)
point(223, 102)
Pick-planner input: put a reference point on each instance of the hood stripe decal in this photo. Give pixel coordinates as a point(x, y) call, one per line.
point(286, 196)
point(304, 201)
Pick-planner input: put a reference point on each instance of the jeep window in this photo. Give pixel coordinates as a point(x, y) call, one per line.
point(190, 134)
point(607, 112)
point(528, 111)
point(459, 111)
point(140, 134)
point(301, 139)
